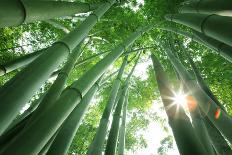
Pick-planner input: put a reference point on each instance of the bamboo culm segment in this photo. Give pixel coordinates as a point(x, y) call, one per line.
point(217, 27)
point(206, 104)
point(111, 145)
point(69, 128)
point(35, 74)
point(122, 131)
point(180, 123)
point(222, 7)
point(18, 91)
point(221, 48)
point(27, 11)
point(19, 62)
point(219, 142)
point(202, 83)
point(96, 146)
point(51, 120)
point(59, 84)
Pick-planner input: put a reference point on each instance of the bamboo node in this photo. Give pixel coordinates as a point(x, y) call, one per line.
point(2, 70)
point(64, 73)
point(24, 11)
point(65, 44)
point(95, 15)
point(204, 21)
point(76, 90)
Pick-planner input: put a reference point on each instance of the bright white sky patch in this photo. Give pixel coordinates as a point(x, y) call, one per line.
point(154, 134)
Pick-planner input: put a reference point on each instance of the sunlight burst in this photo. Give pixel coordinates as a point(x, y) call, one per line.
point(180, 99)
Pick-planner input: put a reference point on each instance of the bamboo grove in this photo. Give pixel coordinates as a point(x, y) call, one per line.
point(49, 125)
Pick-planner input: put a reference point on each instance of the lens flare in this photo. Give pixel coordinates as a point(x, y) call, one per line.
point(180, 99)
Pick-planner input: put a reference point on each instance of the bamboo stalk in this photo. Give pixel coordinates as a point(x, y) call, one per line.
point(222, 7)
point(206, 104)
point(97, 144)
point(217, 27)
point(69, 128)
point(51, 120)
point(33, 76)
point(186, 138)
point(16, 12)
point(19, 62)
point(111, 145)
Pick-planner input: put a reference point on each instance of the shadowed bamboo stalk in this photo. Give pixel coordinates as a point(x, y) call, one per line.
point(222, 7)
point(219, 142)
point(19, 62)
point(69, 128)
point(17, 12)
point(48, 123)
point(111, 145)
point(35, 74)
point(186, 138)
point(217, 27)
point(122, 130)
point(96, 146)
point(209, 108)
point(202, 83)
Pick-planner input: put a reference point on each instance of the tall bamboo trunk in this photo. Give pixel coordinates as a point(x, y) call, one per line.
point(96, 146)
point(209, 108)
point(186, 138)
point(69, 128)
point(222, 7)
point(19, 90)
point(219, 142)
point(122, 130)
point(17, 12)
point(111, 145)
point(19, 62)
point(202, 83)
point(217, 27)
point(51, 120)
point(57, 87)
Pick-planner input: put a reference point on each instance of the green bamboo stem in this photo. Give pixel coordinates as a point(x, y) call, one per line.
point(206, 104)
point(222, 7)
point(217, 27)
point(51, 120)
point(221, 48)
point(219, 142)
point(58, 25)
point(111, 145)
point(16, 12)
point(186, 138)
point(202, 83)
point(57, 87)
point(96, 146)
point(81, 62)
point(69, 128)
point(34, 75)
point(122, 130)
point(19, 62)
point(45, 149)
